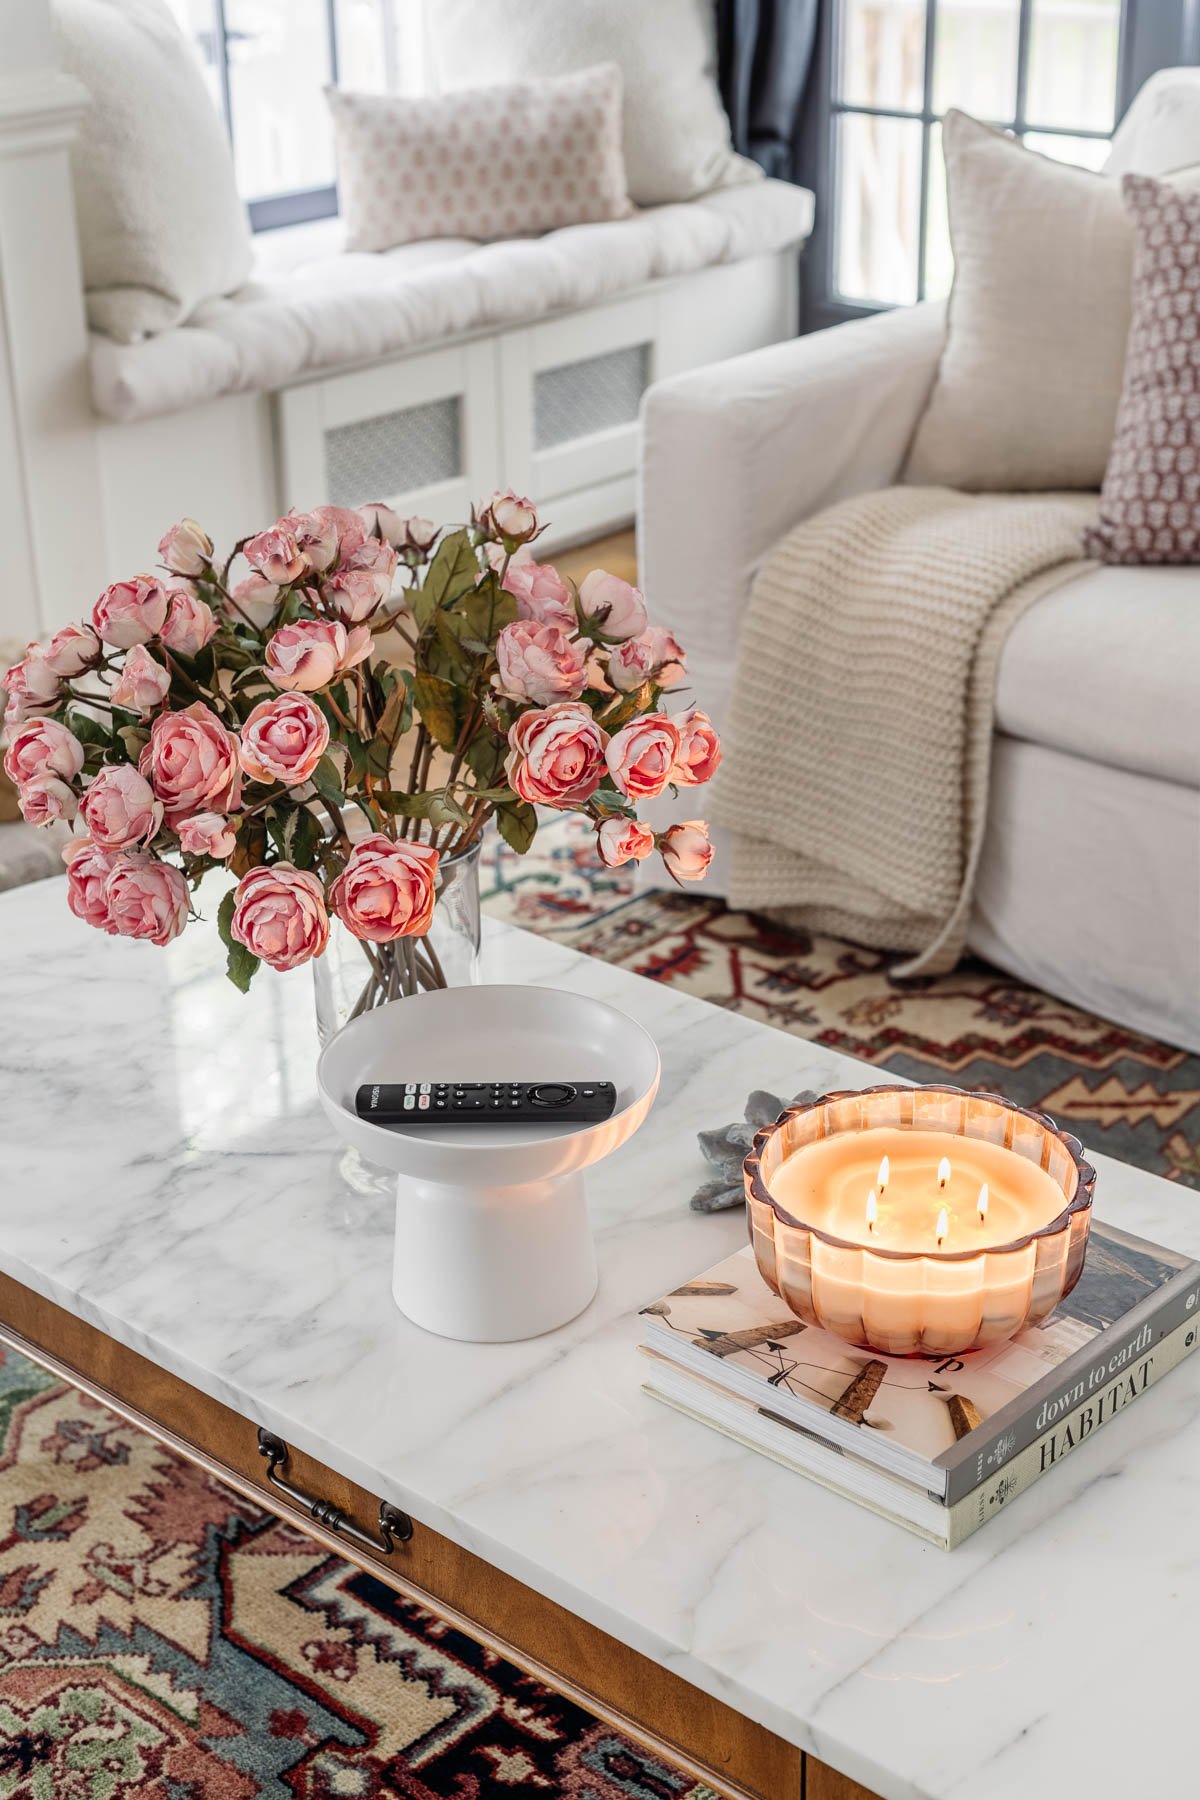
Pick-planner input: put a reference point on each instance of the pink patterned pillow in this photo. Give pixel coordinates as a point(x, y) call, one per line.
point(485, 163)
point(1150, 502)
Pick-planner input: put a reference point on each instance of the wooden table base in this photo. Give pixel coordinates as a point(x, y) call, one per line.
point(710, 1740)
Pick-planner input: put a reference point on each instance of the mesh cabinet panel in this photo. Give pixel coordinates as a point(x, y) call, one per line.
point(394, 452)
point(581, 397)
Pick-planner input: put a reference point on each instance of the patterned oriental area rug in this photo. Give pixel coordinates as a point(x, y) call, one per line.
point(163, 1639)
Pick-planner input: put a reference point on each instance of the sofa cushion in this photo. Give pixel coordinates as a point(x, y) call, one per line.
point(677, 140)
point(161, 227)
point(1105, 668)
point(1161, 131)
point(347, 308)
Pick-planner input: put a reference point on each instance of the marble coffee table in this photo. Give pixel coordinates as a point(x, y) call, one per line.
point(173, 1227)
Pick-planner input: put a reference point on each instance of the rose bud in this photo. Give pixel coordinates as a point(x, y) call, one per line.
point(386, 890)
point(31, 685)
point(190, 623)
point(381, 522)
point(42, 747)
point(511, 519)
point(623, 840)
point(207, 834)
point(186, 549)
point(275, 555)
point(613, 606)
point(283, 740)
point(142, 684)
point(131, 612)
point(88, 869)
point(541, 594)
point(540, 663)
point(72, 651)
point(699, 755)
point(280, 915)
point(641, 755)
point(119, 808)
point(253, 600)
point(556, 756)
point(420, 535)
point(46, 800)
point(685, 850)
point(193, 763)
point(146, 898)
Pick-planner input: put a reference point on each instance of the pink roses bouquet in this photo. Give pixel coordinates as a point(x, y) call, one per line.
point(232, 714)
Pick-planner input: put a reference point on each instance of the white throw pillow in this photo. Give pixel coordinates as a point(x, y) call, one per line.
point(161, 227)
point(677, 142)
point(496, 162)
point(1026, 393)
point(1161, 131)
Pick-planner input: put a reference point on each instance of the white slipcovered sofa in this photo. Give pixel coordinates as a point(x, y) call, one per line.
point(1089, 885)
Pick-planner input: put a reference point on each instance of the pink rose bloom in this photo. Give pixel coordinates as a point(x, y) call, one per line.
point(88, 870)
point(275, 555)
point(653, 655)
point(511, 518)
point(316, 536)
point(142, 684)
point(623, 840)
point(131, 612)
point(311, 653)
point(363, 582)
point(280, 915)
point(192, 762)
point(699, 755)
point(253, 599)
point(283, 740)
point(190, 623)
point(42, 747)
point(641, 755)
point(351, 531)
point(207, 834)
point(386, 889)
point(382, 521)
point(46, 800)
point(119, 808)
point(686, 850)
point(614, 607)
point(186, 549)
point(31, 686)
point(71, 651)
point(541, 594)
point(373, 557)
point(540, 663)
point(556, 757)
point(146, 898)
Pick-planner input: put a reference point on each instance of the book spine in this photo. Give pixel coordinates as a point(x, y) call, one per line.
point(1115, 1395)
point(1024, 1421)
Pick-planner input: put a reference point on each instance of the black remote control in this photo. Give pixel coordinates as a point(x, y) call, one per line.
point(515, 1102)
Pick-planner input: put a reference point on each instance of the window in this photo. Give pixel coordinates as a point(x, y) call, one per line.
point(1058, 73)
point(266, 63)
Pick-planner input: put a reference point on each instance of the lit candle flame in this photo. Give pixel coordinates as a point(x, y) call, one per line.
point(944, 1171)
point(943, 1226)
point(872, 1210)
point(983, 1202)
point(884, 1176)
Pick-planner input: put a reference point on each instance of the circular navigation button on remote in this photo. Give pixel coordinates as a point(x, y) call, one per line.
point(551, 1094)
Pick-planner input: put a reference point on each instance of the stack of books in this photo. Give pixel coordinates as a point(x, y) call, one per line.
point(939, 1445)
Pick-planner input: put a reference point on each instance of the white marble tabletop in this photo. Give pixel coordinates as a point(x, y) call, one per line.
point(166, 1174)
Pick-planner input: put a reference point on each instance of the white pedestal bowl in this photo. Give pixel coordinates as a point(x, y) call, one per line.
point(493, 1240)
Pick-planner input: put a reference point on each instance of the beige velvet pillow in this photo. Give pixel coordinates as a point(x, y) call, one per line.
point(1027, 389)
point(487, 163)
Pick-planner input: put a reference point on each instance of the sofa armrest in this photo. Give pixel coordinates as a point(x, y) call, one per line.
point(735, 454)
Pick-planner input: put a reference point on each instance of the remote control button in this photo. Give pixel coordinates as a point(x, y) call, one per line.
point(410, 1087)
point(423, 1103)
point(410, 1100)
point(551, 1094)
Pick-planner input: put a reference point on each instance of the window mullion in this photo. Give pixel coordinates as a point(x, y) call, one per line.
point(1024, 28)
point(221, 54)
point(926, 143)
point(332, 30)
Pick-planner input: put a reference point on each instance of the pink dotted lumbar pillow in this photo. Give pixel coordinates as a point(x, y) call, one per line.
point(486, 163)
point(1150, 502)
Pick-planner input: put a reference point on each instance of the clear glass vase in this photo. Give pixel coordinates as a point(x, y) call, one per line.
point(353, 977)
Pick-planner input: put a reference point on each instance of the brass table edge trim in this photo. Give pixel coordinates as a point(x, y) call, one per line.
point(338, 1546)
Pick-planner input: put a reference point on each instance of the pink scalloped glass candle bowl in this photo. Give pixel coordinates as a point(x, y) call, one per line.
point(918, 1220)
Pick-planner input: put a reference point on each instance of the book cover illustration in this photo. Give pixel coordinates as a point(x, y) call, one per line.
point(924, 1404)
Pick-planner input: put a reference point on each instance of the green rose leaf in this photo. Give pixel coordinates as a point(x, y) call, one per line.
point(328, 782)
point(454, 570)
point(87, 729)
point(434, 700)
point(517, 825)
point(241, 964)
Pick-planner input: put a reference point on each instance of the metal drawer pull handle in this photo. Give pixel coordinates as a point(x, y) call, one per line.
point(395, 1527)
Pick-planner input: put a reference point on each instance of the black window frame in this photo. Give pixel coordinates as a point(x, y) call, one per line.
point(1154, 34)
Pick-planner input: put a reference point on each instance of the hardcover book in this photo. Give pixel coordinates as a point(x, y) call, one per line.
point(919, 1438)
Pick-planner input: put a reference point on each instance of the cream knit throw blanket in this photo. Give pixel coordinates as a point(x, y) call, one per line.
point(857, 759)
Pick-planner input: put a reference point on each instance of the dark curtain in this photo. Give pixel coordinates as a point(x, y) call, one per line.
point(764, 50)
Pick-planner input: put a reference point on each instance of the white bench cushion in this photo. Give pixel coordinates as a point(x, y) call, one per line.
point(342, 308)
point(1105, 668)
